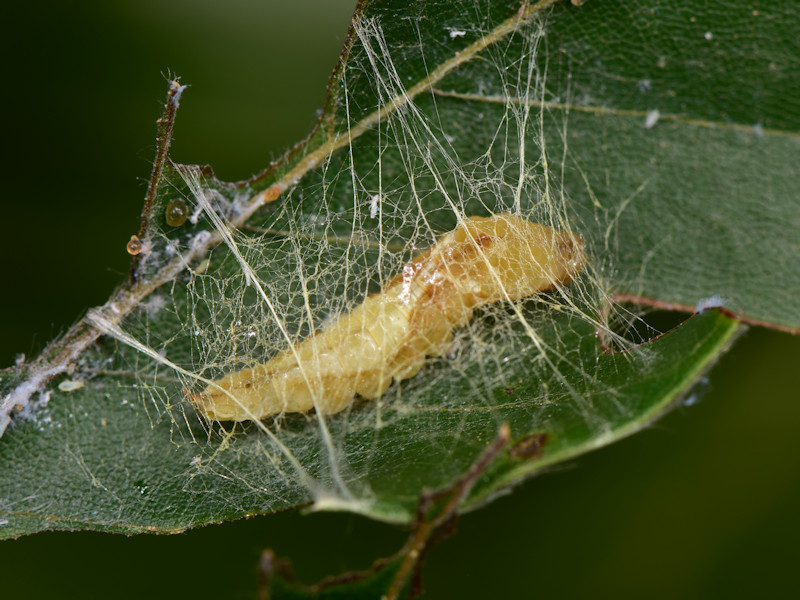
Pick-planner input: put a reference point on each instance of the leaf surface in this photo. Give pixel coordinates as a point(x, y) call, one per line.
point(440, 110)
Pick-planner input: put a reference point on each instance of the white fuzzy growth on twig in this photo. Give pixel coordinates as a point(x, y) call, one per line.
point(704, 304)
point(178, 91)
point(20, 397)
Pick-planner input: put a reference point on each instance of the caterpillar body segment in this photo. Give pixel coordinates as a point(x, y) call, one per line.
point(389, 336)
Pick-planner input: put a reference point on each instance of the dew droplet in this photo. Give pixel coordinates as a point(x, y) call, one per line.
point(177, 212)
point(135, 245)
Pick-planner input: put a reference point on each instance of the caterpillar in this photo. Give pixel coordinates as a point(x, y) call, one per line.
point(388, 336)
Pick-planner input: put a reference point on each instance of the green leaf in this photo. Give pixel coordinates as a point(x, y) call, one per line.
point(438, 110)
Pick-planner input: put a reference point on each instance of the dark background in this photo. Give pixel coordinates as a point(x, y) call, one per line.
point(704, 504)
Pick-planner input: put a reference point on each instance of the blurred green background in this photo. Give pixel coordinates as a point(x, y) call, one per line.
point(703, 505)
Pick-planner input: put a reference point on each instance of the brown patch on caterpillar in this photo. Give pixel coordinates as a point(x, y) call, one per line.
point(388, 337)
point(483, 240)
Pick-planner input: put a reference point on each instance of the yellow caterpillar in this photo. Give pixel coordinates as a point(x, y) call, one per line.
point(389, 335)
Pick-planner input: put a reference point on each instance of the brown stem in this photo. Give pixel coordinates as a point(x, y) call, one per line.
point(165, 125)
